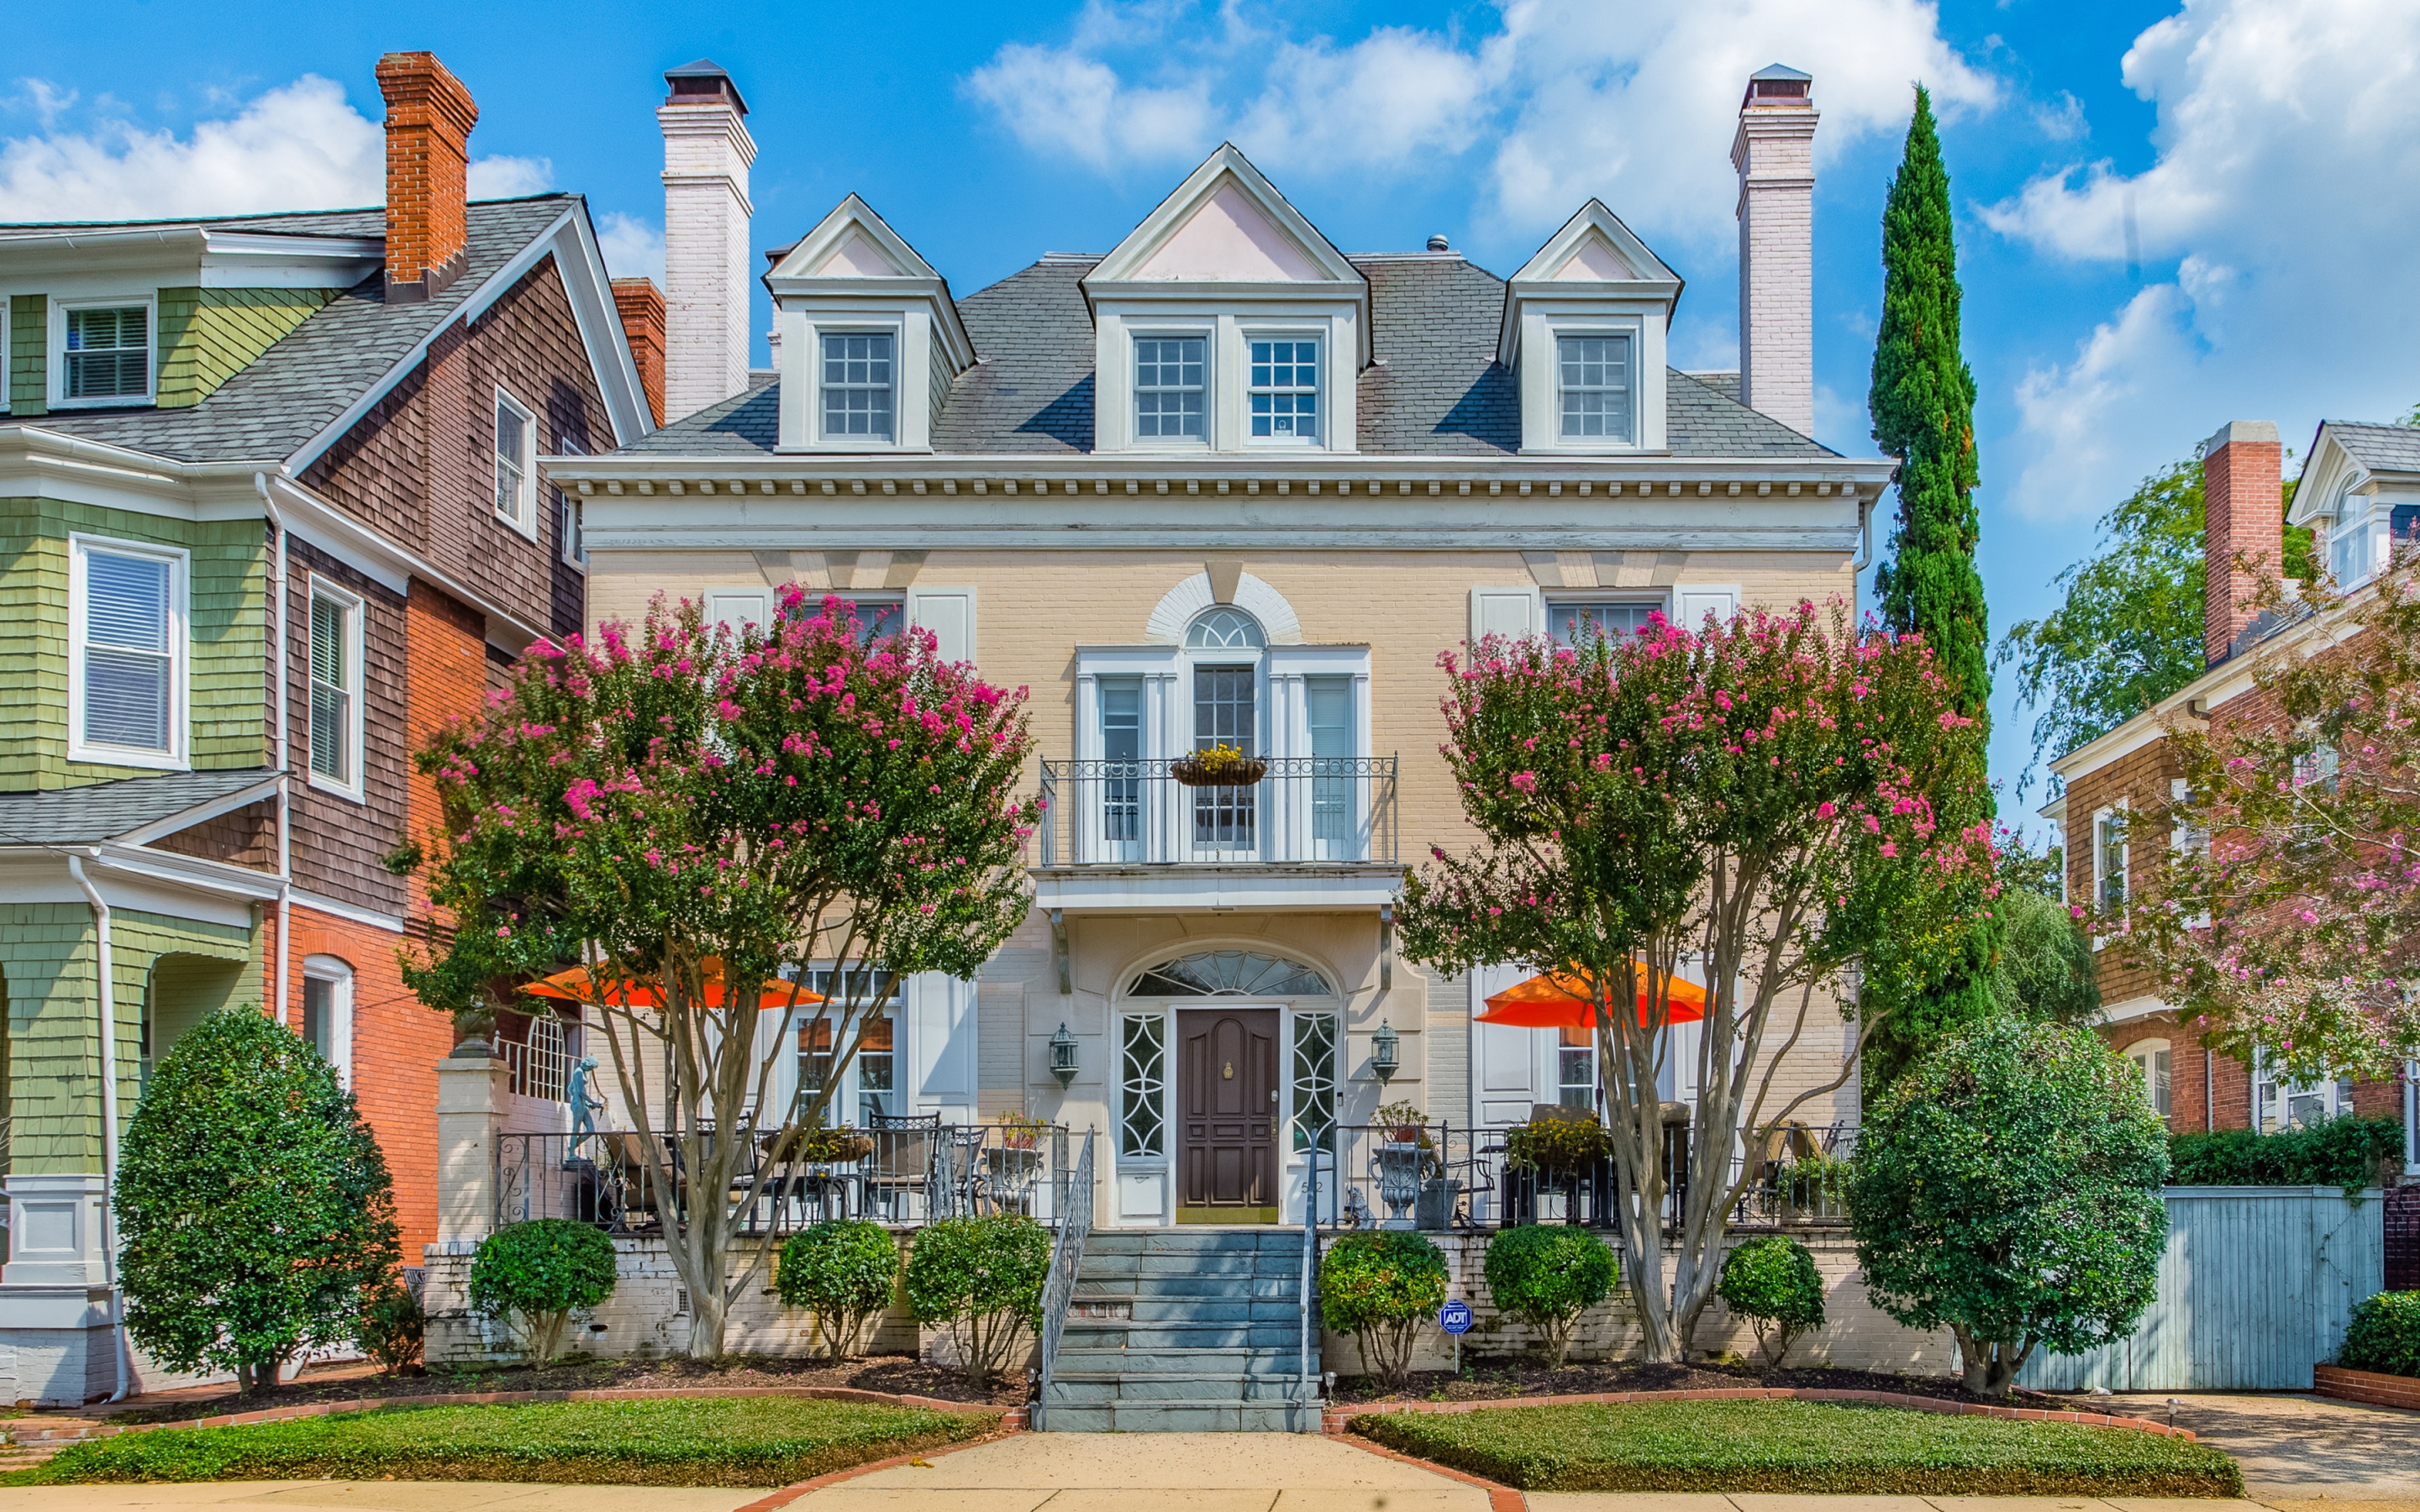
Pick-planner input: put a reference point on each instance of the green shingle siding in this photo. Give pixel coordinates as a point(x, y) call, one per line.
point(227, 675)
point(29, 333)
point(49, 953)
point(208, 335)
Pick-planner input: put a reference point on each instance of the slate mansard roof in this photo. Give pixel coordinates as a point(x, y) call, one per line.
point(1434, 389)
point(306, 381)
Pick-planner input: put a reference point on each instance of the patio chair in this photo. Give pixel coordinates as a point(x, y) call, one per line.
point(901, 1162)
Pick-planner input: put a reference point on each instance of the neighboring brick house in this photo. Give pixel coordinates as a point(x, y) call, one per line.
point(346, 405)
point(1226, 482)
point(2361, 483)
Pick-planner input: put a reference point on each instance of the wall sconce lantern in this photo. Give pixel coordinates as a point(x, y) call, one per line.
point(1062, 1057)
point(1386, 1051)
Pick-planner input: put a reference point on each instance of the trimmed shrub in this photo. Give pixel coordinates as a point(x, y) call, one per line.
point(2343, 1151)
point(844, 1272)
point(391, 1327)
point(252, 1206)
point(979, 1280)
point(1772, 1282)
point(1548, 1278)
point(542, 1271)
point(2385, 1334)
point(1380, 1287)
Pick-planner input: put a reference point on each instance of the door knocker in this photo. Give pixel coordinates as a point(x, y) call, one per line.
point(1229, 1074)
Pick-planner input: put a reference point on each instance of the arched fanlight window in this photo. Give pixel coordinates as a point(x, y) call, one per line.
point(1224, 629)
point(1230, 974)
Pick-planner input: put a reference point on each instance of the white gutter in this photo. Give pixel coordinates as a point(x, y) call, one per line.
point(108, 984)
point(285, 783)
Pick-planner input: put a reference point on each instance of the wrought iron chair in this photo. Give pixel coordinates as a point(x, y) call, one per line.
point(905, 1145)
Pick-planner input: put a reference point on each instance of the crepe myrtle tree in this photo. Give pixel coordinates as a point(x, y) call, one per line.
point(2282, 914)
point(1752, 801)
point(707, 812)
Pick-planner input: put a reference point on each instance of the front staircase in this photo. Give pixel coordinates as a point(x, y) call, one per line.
point(1186, 1331)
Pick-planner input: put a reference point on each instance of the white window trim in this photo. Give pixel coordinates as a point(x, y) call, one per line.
point(526, 519)
point(2100, 878)
point(1213, 411)
point(2138, 1056)
point(355, 607)
point(56, 360)
point(1540, 381)
point(898, 331)
point(803, 324)
point(179, 756)
point(569, 527)
point(338, 974)
point(1628, 334)
point(1251, 332)
point(1658, 599)
point(6, 352)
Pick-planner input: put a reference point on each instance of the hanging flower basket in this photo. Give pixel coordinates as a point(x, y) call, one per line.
point(1221, 767)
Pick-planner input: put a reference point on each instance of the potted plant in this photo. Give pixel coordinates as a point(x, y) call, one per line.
point(1415, 1155)
point(1220, 766)
point(836, 1147)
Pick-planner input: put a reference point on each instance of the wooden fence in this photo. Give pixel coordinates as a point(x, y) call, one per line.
point(2256, 1287)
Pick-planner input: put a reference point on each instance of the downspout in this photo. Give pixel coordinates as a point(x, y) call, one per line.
point(108, 1116)
point(1865, 556)
point(279, 699)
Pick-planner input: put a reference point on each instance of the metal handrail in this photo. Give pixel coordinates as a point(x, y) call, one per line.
point(1310, 1259)
point(1059, 1285)
point(1300, 811)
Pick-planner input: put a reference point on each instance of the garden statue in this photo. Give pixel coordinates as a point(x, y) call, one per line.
point(584, 1101)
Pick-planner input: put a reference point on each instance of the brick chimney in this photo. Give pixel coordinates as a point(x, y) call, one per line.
point(2243, 513)
point(429, 121)
point(707, 274)
point(641, 308)
point(1774, 154)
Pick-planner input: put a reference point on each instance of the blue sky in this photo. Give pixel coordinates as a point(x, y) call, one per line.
point(2172, 213)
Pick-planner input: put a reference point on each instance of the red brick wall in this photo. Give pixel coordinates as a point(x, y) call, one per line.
point(2140, 779)
point(429, 121)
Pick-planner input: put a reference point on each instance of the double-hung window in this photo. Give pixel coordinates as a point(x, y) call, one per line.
point(108, 353)
point(127, 653)
point(2350, 551)
point(1285, 389)
point(574, 546)
point(2109, 857)
point(335, 689)
point(1593, 387)
point(516, 464)
point(857, 389)
point(1577, 622)
point(1171, 389)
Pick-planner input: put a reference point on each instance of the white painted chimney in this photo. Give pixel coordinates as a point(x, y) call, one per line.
point(706, 154)
point(1774, 154)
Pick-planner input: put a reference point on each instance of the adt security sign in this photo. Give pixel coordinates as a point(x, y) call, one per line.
point(1454, 1318)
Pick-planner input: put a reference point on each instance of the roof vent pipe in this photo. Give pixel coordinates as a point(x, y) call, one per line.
point(1438, 244)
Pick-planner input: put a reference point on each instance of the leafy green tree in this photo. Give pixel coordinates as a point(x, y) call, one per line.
point(1548, 1276)
point(980, 1281)
point(542, 1271)
point(1773, 1282)
point(1767, 798)
point(2045, 968)
point(844, 1272)
point(1380, 1286)
point(254, 1208)
point(2007, 1188)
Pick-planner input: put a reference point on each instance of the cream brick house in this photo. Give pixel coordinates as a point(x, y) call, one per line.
point(1227, 482)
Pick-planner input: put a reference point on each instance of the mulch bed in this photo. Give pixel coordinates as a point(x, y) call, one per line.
point(902, 1375)
point(1505, 1379)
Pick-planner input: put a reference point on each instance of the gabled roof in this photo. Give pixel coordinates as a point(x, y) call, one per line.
point(1593, 255)
point(854, 252)
point(2378, 448)
point(303, 392)
point(1225, 209)
point(134, 811)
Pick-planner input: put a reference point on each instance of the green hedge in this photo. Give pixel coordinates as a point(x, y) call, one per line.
point(752, 1441)
point(1548, 1275)
point(2385, 1334)
point(1801, 1447)
point(1773, 1282)
point(2338, 1153)
point(545, 1271)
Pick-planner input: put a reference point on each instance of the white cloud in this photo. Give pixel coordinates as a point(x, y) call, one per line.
point(510, 177)
point(1581, 98)
point(634, 248)
point(2289, 133)
point(2063, 119)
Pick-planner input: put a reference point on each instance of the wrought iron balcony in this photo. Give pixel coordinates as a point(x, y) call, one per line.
point(1304, 810)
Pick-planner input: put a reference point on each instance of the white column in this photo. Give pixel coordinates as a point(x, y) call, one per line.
point(1774, 154)
point(707, 155)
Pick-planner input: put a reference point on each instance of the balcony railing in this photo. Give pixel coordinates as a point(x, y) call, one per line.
point(1306, 809)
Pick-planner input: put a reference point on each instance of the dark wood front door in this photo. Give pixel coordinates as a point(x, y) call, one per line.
point(1227, 1115)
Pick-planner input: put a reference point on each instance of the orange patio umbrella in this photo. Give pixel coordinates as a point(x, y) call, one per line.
point(1558, 1001)
point(577, 985)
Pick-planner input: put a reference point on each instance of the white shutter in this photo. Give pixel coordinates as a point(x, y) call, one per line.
point(1514, 611)
point(1504, 1061)
point(939, 1055)
point(1693, 602)
point(738, 607)
point(950, 614)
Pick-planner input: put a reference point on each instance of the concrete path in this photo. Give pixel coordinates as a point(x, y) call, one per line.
point(2298, 1448)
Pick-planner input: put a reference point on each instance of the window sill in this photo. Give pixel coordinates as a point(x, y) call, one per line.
point(153, 760)
point(350, 793)
point(130, 401)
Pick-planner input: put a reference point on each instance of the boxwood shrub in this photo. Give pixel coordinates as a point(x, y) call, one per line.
point(844, 1272)
point(2384, 1335)
point(2343, 1151)
point(1380, 1287)
point(1548, 1278)
point(979, 1280)
point(543, 1271)
point(1773, 1282)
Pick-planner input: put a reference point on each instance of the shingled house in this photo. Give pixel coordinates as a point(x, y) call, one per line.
point(270, 513)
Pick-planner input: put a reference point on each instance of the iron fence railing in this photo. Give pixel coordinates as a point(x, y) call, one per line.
point(903, 1172)
point(1301, 810)
point(1059, 1285)
point(539, 1066)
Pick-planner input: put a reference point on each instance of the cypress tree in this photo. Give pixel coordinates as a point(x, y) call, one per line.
point(1923, 406)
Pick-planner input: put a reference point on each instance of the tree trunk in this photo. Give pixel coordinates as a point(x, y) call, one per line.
point(1989, 1367)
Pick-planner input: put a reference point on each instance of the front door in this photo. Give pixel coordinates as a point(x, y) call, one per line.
point(1227, 1115)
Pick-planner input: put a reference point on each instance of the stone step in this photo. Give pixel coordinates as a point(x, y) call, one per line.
point(1100, 1386)
point(1133, 1334)
point(1181, 1417)
point(1209, 1310)
point(1216, 1287)
point(1204, 1262)
point(1075, 1360)
point(1188, 1240)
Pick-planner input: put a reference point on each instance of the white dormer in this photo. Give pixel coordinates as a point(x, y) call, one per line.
point(870, 338)
point(1226, 322)
point(1584, 331)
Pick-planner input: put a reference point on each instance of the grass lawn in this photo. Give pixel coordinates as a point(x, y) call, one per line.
point(1803, 1447)
point(744, 1440)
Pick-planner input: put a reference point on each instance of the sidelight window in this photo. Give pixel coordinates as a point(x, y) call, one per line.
point(1143, 1088)
point(1314, 1080)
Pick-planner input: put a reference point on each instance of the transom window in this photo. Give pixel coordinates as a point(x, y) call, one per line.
point(129, 640)
point(1580, 621)
point(1170, 388)
point(858, 371)
point(109, 353)
point(1230, 974)
point(516, 444)
point(1285, 391)
point(335, 687)
point(1223, 630)
point(1594, 380)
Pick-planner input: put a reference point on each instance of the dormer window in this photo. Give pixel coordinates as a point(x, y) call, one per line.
point(105, 353)
point(1593, 387)
point(857, 386)
point(1285, 390)
point(1171, 389)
